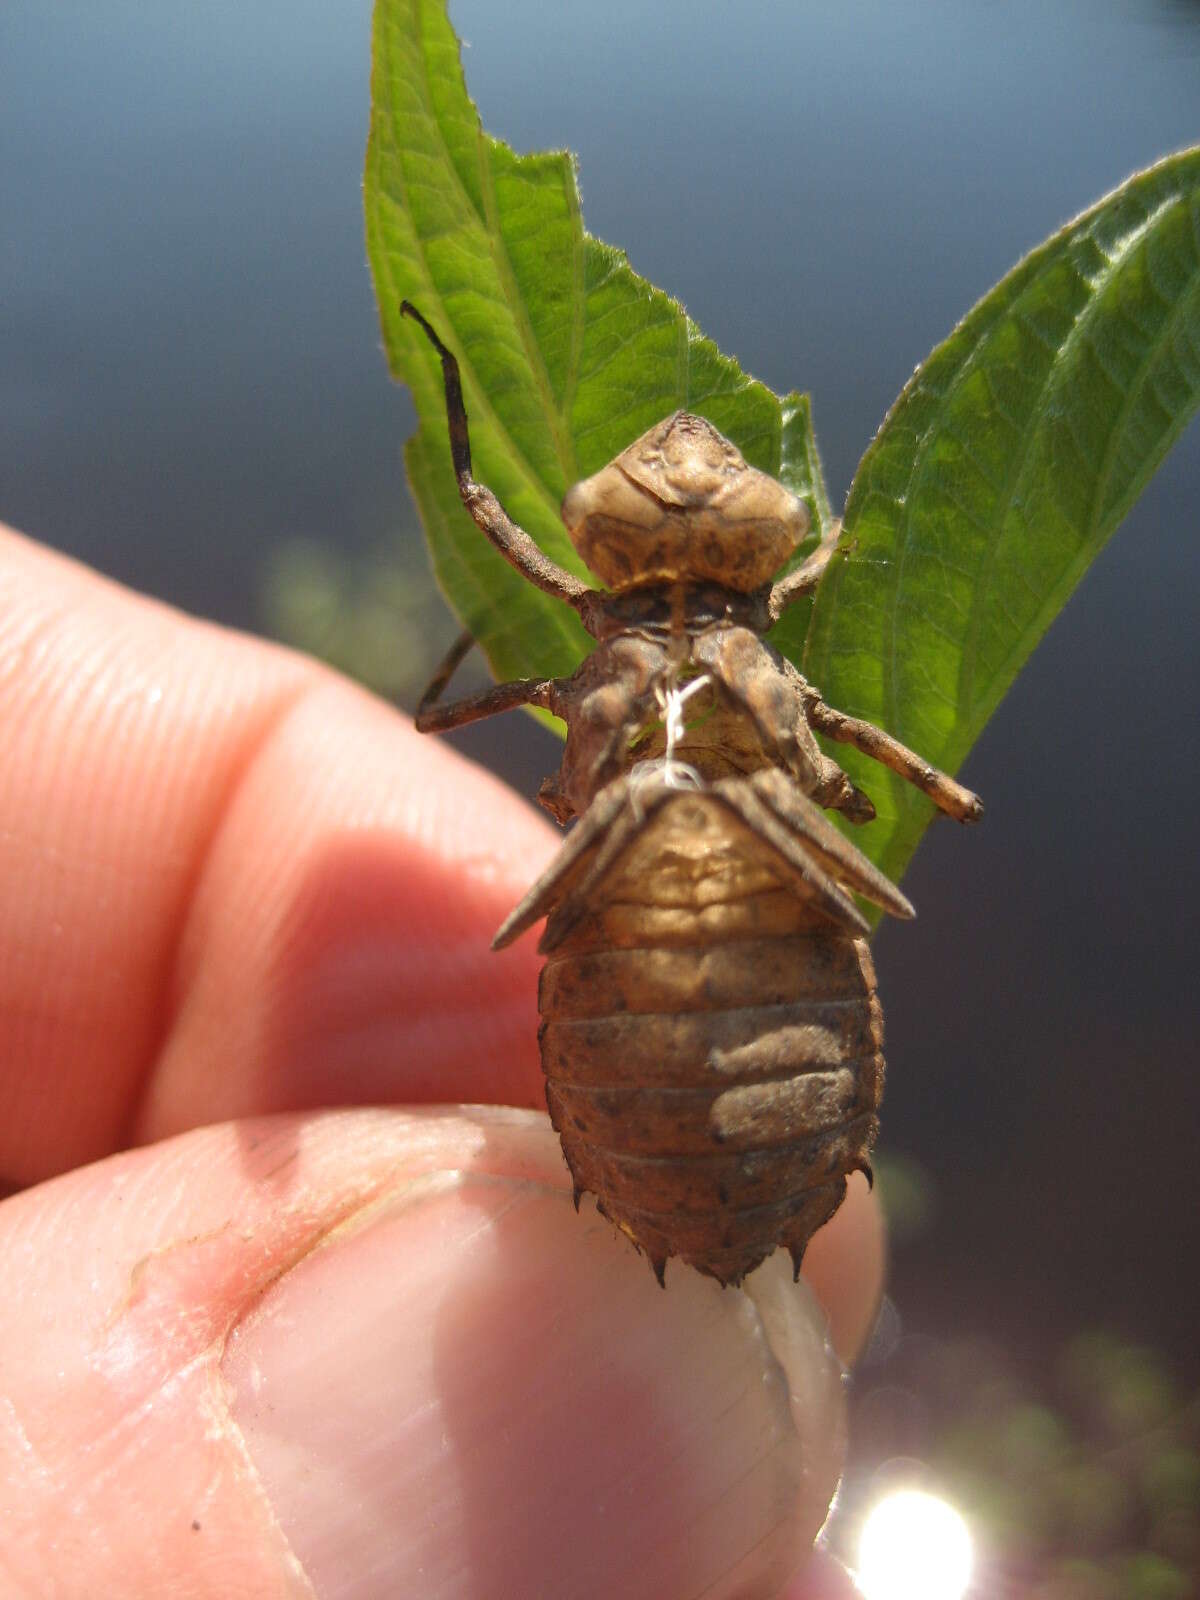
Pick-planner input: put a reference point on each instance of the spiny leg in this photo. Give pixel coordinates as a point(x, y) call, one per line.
point(513, 543)
point(807, 575)
point(947, 795)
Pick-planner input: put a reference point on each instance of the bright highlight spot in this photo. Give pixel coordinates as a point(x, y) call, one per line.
point(914, 1547)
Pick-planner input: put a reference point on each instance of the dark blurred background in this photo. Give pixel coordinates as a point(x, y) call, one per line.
point(193, 399)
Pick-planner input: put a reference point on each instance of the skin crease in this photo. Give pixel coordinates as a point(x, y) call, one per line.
point(234, 891)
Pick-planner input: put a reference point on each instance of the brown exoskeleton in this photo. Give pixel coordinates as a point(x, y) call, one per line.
point(711, 1036)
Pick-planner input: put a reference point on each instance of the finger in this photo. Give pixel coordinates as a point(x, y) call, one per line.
point(822, 1578)
point(214, 852)
point(845, 1264)
point(376, 1353)
point(176, 844)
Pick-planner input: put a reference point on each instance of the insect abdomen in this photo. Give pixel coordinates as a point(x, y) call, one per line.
point(712, 1045)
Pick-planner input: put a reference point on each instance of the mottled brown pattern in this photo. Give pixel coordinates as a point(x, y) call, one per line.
point(713, 1079)
point(681, 501)
point(711, 1034)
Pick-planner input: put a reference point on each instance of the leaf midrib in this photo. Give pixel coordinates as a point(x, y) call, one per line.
point(1016, 465)
point(1070, 575)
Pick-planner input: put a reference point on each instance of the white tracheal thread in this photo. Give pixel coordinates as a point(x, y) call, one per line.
point(665, 769)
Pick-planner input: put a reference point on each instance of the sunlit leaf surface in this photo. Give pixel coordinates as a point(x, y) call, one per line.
point(1001, 471)
point(1003, 468)
point(566, 353)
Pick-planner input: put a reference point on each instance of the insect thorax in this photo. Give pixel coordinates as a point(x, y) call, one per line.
point(665, 643)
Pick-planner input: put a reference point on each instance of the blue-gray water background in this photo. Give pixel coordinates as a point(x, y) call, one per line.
point(190, 373)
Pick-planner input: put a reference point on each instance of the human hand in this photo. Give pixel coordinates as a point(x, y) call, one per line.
point(257, 1347)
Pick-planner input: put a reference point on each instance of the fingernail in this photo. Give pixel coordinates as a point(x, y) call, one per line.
point(474, 1392)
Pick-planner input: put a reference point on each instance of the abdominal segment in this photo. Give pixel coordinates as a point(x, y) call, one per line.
point(711, 1036)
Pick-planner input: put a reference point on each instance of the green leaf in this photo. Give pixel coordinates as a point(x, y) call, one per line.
point(1006, 464)
point(566, 353)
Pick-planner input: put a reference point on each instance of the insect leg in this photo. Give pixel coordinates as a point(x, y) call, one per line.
point(449, 665)
point(770, 692)
point(947, 795)
point(434, 718)
point(806, 576)
point(487, 703)
point(833, 788)
point(513, 543)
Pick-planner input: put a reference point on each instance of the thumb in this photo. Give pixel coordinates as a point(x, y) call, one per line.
point(370, 1353)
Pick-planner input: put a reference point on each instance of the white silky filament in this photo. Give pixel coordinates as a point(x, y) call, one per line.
point(665, 769)
point(671, 702)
